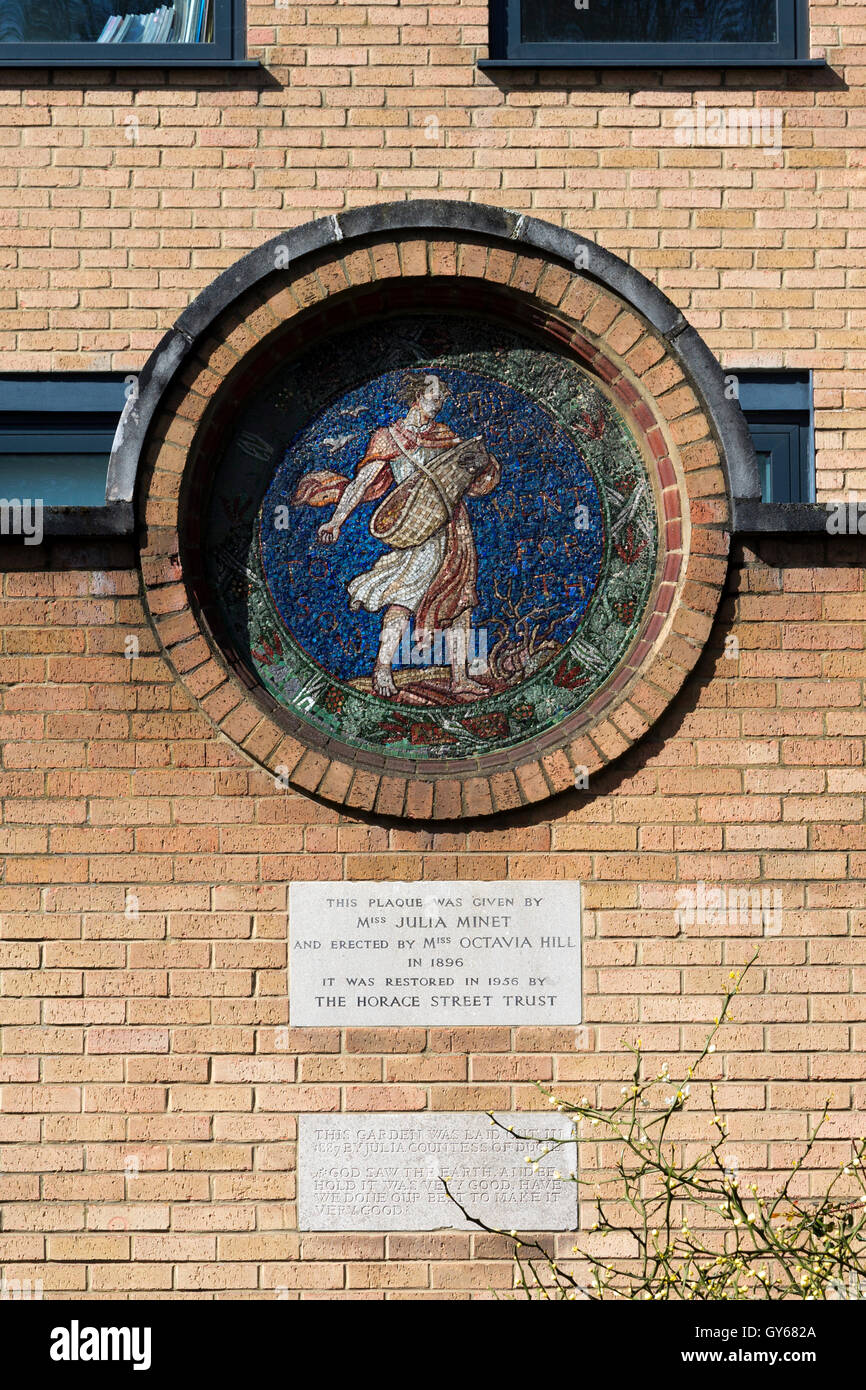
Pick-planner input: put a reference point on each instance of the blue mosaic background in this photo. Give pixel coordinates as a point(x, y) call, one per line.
point(544, 478)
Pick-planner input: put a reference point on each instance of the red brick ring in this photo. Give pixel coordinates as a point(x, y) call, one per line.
point(639, 350)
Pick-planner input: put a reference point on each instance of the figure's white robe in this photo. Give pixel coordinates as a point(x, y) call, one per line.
point(402, 576)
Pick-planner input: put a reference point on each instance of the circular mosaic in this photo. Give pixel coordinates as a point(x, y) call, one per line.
point(434, 523)
point(430, 537)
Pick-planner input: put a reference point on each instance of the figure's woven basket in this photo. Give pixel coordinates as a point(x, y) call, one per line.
point(425, 502)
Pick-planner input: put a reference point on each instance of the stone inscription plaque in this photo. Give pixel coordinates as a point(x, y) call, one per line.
point(384, 1172)
point(422, 954)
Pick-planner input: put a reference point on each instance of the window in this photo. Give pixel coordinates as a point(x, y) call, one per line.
point(652, 32)
point(139, 33)
point(778, 408)
point(56, 434)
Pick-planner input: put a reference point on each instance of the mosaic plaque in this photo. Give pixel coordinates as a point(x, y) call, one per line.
point(384, 1172)
point(421, 954)
point(430, 538)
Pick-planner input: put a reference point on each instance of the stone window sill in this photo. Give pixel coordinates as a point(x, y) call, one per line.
point(61, 64)
point(753, 517)
point(493, 64)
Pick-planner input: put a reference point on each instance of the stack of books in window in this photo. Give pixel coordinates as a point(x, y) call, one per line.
point(186, 21)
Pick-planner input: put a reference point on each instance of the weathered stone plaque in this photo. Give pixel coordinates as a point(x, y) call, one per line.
point(384, 1172)
point(404, 954)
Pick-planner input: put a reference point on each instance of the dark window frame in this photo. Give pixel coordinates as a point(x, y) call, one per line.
point(227, 50)
point(507, 49)
point(63, 413)
point(779, 409)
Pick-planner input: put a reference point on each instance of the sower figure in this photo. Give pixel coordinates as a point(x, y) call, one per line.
point(433, 582)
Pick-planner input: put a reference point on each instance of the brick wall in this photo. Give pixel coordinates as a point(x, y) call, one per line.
point(123, 198)
point(148, 1110)
point(153, 1039)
